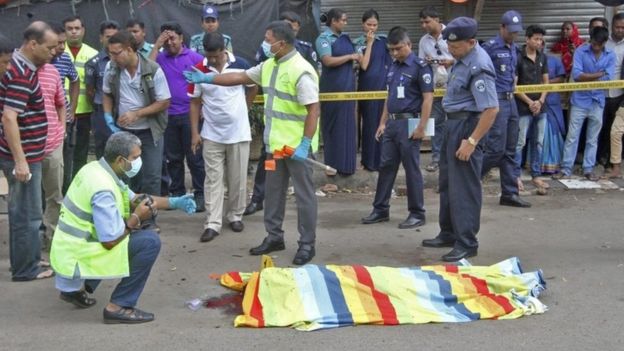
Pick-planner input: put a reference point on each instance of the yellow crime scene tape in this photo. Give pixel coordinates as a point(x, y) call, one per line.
point(535, 88)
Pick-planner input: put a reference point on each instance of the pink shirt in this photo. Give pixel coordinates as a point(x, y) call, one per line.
point(53, 96)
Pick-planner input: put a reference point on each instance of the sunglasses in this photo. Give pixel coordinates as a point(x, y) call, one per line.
point(438, 51)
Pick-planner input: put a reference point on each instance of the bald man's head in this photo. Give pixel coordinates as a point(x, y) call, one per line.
point(40, 42)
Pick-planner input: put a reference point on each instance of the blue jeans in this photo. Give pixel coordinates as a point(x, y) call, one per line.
point(439, 115)
point(537, 126)
point(143, 249)
point(177, 148)
point(593, 114)
point(25, 215)
point(148, 179)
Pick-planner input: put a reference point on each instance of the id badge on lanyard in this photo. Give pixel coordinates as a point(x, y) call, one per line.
point(401, 89)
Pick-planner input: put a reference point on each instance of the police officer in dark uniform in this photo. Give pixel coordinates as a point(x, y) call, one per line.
point(401, 128)
point(307, 51)
point(471, 105)
point(502, 139)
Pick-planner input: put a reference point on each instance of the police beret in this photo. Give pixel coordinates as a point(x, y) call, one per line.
point(461, 28)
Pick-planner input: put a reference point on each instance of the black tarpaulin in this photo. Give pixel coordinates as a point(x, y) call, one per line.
point(243, 20)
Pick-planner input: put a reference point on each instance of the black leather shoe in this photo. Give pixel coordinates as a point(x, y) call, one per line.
point(304, 255)
point(266, 247)
point(411, 222)
point(437, 242)
point(514, 201)
point(458, 253)
point(127, 316)
point(376, 217)
point(208, 235)
point(79, 299)
point(237, 226)
point(252, 208)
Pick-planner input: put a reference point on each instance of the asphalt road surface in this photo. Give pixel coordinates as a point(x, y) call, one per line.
point(575, 237)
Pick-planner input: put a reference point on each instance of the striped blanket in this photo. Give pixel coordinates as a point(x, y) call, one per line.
point(317, 297)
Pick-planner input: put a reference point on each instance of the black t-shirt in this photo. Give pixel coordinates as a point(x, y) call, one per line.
point(530, 72)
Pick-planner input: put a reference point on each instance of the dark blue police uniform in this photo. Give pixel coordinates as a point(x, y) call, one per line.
point(502, 139)
point(407, 81)
point(94, 76)
point(470, 91)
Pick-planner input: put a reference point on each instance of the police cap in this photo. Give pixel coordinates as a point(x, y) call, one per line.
point(461, 28)
point(512, 21)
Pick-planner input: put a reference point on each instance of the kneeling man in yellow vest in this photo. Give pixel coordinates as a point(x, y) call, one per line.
point(99, 234)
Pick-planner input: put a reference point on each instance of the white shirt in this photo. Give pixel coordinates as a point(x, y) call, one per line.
point(618, 48)
point(224, 109)
point(427, 48)
point(131, 98)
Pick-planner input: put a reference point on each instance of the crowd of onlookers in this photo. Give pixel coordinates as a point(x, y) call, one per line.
point(62, 92)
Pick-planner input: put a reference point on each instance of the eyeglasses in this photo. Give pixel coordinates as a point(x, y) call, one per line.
point(438, 51)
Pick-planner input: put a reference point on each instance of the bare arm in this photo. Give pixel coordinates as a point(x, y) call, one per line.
point(425, 112)
point(311, 121)
point(154, 108)
point(74, 92)
point(250, 95)
point(194, 113)
point(107, 103)
point(232, 78)
point(370, 39)
point(485, 123)
point(12, 136)
point(382, 121)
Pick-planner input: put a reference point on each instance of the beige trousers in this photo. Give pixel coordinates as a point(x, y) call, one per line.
point(52, 184)
point(225, 163)
point(617, 130)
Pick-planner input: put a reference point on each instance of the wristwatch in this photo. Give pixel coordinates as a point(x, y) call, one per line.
point(472, 142)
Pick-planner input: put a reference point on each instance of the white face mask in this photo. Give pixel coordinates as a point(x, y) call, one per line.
point(136, 167)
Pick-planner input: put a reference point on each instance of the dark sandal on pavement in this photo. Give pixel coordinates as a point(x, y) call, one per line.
point(127, 316)
point(79, 299)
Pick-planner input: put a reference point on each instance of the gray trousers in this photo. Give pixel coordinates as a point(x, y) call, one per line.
point(275, 200)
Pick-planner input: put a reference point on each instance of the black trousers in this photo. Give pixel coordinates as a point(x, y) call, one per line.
point(460, 186)
point(398, 148)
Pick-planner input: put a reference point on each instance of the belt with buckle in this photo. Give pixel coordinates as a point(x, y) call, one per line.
point(460, 114)
point(505, 96)
point(397, 116)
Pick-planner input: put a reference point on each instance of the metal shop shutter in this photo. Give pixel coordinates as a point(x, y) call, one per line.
point(549, 14)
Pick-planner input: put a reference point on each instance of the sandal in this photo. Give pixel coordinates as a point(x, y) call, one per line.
point(43, 274)
point(44, 264)
point(432, 167)
point(540, 183)
point(127, 316)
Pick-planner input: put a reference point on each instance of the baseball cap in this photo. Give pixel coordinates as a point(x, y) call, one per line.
point(512, 21)
point(210, 12)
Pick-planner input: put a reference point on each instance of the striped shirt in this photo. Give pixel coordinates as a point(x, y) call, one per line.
point(53, 96)
point(20, 92)
point(66, 70)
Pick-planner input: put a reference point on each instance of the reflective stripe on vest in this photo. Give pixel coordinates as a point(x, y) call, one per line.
point(75, 241)
point(84, 54)
point(284, 115)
